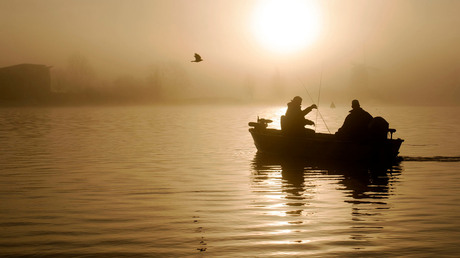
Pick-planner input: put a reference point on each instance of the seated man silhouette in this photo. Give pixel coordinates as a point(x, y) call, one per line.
point(294, 121)
point(356, 124)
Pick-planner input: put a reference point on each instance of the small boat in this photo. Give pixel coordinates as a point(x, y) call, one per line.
point(325, 146)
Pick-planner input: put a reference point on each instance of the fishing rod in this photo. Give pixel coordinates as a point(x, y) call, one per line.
point(319, 94)
point(311, 99)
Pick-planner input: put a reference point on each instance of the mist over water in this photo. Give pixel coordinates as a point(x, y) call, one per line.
point(383, 52)
point(186, 180)
point(121, 146)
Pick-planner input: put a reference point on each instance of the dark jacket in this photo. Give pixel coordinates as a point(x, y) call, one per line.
point(295, 120)
point(356, 124)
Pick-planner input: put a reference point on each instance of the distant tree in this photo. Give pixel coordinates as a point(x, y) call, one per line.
point(277, 84)
point(80, 73)
point(249, 87)
point(169, 81)
point(59, 80)
point(154, 84)
point(360, 81)
point(127, 88)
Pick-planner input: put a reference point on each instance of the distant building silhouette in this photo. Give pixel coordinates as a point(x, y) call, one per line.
point(362, 82)
point(278, 85)
point(25, 82)
point(359, 84)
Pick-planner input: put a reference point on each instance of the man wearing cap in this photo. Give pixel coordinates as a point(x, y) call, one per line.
point(356, 124)
point(294, 121)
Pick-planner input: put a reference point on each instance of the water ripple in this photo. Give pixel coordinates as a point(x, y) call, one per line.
point(183, 182)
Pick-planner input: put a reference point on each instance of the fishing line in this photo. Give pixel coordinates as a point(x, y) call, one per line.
point(319, 94)
point(311, 99)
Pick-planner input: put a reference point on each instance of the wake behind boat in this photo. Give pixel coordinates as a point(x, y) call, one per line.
point(382, 149)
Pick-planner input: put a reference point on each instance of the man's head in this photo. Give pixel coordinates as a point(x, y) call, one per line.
point(355, 104)
point(297, 100)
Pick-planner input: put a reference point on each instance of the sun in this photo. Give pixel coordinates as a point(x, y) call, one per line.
point(286, 26)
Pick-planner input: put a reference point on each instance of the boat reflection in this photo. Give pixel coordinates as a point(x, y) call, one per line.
point(324, 184)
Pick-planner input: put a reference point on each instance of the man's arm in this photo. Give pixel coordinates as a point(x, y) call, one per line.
point(309, 109)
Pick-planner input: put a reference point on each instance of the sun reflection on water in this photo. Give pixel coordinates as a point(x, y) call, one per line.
point(300, 200)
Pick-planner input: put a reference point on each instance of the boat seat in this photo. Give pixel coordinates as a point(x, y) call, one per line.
point(283, 123)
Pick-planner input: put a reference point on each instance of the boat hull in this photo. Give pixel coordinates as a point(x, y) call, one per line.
point(325, 146)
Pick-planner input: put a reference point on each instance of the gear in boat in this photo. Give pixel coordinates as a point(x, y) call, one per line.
point(378, 146)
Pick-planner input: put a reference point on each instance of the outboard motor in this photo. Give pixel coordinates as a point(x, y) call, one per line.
point(261, 124)
point(378, 129)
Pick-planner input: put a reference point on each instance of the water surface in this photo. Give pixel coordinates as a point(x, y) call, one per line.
point(175, 181)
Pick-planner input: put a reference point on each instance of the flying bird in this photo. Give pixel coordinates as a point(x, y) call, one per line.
point(197, 58)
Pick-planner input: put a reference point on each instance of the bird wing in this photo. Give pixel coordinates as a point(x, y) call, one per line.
point(197, 57)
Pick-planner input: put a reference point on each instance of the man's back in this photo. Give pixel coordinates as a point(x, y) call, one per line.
point(356, 123)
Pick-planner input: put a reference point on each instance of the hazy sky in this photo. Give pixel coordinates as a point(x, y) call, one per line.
point(414, 45)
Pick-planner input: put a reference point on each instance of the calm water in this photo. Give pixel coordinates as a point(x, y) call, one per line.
point(185, 181)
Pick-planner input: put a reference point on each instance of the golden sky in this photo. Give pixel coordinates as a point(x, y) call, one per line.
point(414, 45)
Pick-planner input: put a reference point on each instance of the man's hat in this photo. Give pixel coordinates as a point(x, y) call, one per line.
point(297, 99)
point(355, 103)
